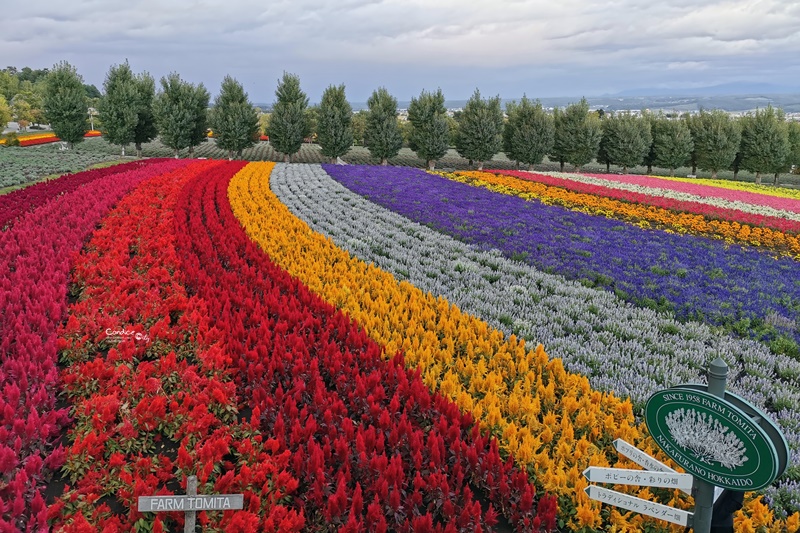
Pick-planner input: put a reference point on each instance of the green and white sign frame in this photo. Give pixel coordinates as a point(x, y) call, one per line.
point(712, 439)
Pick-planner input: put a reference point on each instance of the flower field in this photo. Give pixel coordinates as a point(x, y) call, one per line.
point(370, 348)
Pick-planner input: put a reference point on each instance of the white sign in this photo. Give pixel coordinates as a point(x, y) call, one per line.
point(216, 502)
point(639, 505)
point(643, 478)
point(644, 460)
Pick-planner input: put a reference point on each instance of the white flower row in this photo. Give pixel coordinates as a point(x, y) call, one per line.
point(621, 348)
point(677, 195)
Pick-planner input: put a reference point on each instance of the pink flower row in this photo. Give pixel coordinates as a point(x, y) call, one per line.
point(776, 202)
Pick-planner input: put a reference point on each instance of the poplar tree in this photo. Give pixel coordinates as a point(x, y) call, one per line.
point(118, 107)
point(716, 141)
point(233, 118)
point(672, 143)
point(146, 129)
point(430, 131)
point(288, 125)
point(765, 142)
point(626, 139)
point(382, 134)
point(528, 134)
point(180, 109)
point(335, 123)
point(65, 104)
point(480, 129)
point(793, 156)
point(577, 135)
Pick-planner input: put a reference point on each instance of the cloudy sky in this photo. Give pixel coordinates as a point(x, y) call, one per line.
point(508, 47)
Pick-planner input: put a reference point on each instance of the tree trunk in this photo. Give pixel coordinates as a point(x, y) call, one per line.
point(530, 167)
point(758, 178)
point(176, 153)
point(562, 166)
point(672, 172)
point(230, 155)
point(384, 161)
point(736, 174)
point(608, 167)
point(285, 158)
point(649, 169)
point(694, 169)
point(431, 164)
point(624, 170)
point(239, 154)
point(123, 150)
point(775, 182)
point(480, 165)
point(138, 149)
point(713, 174)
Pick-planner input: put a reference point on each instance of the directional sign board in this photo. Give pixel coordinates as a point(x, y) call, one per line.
point(642, 459)
point(642, 478)
point(639, 505)
point(217, 502)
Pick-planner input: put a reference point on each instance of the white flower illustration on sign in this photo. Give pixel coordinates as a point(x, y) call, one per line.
point(706, 438)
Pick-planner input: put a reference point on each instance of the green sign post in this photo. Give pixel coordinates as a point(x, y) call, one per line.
point(715, 440)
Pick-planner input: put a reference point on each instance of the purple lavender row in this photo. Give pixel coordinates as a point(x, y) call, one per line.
point(742, 289)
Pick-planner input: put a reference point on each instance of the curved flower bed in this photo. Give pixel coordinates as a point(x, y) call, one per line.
point(35, 259)
point(397, 456)
point(702, 190)
point(16, 203)
point(629, 351)
point(722, 209)
point(547, 419)
point(161, 404)
point(642, 215)
point(693, 277)
point(769, 190)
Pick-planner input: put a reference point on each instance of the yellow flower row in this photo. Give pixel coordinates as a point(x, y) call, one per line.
point(767, 190)
point(549, 420)
point(641, 215)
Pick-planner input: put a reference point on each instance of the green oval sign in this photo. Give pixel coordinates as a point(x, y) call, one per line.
point(712, 439)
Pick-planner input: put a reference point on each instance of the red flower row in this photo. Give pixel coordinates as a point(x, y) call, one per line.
point(16, 203)
point(372, 449)
point(35, 258)
point(161, 405)
point(706, 210)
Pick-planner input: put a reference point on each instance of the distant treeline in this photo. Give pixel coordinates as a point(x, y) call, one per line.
point(131, 111)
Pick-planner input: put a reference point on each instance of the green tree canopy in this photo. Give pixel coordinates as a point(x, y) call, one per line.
point(577, 135)
point(672, 143)
point(233, 118)
point(359, 127)
point(793, 155)
point(180, 109)
point(288, 125)
point(429, 133)
point(65, 103)
point(335, 128)
point(528, 134)
point(480, 129)
point(716, 140)
point(765, 142)
point(5, 112)
point(382, 133)
point(118, 106)
point(626, 139)
point(146, 129)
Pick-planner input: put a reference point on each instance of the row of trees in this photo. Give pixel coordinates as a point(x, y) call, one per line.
point(133, 112)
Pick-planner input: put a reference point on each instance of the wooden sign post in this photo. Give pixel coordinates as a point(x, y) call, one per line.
point(190, 503)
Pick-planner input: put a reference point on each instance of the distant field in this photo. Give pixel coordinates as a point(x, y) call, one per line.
point(21, 165)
